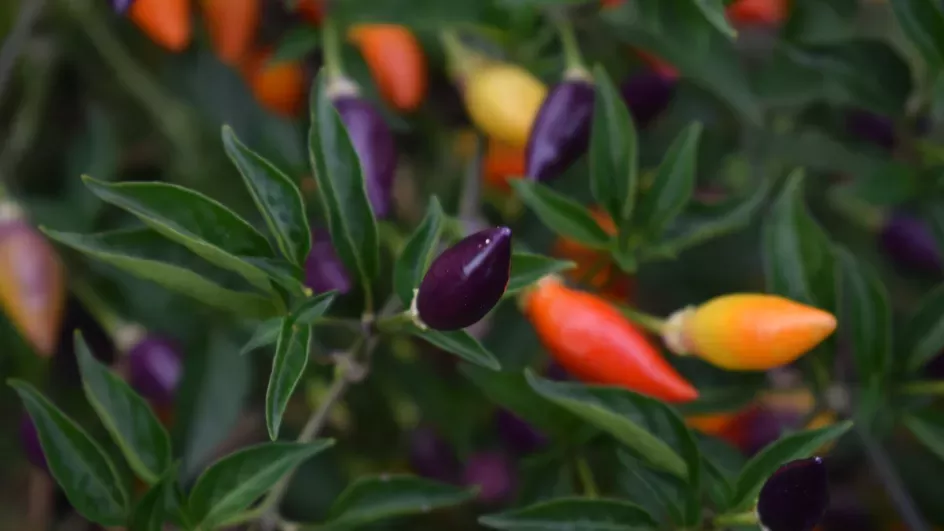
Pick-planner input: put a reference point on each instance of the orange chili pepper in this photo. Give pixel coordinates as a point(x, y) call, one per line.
point(310, 10)
point(232, 25)
point(278, 87)
point(714, 424)
point(396, 62)
point(758, 11)
point(607, 278)
point(657, 64)
point(166, 22)
point(595, 343)
point(502, 162)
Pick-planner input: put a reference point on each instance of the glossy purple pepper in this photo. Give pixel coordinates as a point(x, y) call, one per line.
point(29, 439)
point(466, 281)
point(155, 369)
point(795, 497)
point(909, 242)
point(494, 474)
point(323, 268)
point(871, 127)
point(561, 131)
point(375, 149)
point(647, 95)
point(518, 436)
point(432, 457)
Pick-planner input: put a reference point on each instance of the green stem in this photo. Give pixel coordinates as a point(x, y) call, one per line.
point(459, 58)
point(107, 317)
point(587, 481)
point(395, 322)
point(331, 48)
point(649, 322)
point(924, 388)
point(731, 520)
point(573, 59)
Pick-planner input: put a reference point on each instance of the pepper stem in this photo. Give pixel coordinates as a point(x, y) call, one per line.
point(573, 59)
point(106, 316)
point(923, 388)
point(587, 481)
point(459, 58)
point(645, 320)
point(733, 520)
point(331, 48)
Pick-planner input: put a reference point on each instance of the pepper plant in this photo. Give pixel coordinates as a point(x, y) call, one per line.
point(661, 295)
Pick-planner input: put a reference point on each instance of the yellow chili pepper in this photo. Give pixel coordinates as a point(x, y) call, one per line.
point(748, 331)
point(503, 100)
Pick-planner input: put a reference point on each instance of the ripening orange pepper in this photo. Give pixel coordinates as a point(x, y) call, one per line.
point(278, 87)
point(502, 162)
point(658, 65)
point(748, 331)
point(595, 343)
point(767, 12)
point(232, 25)
point(396, 61)
point(311, 10)
point(596, 264)
point(166, 22)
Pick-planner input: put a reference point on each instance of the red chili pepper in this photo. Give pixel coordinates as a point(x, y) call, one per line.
point(396, 62)
point(658, 65)
point(166, 22)
point(232, 25)
point(595, 343)
point(769, 12)
point(310, 10)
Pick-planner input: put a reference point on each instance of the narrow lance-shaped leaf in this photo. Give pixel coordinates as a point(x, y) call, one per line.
point(585, 514)
point(674, 183)
point(80, 466)
point(460, 343)
point(561, 214)
point(152, 510)
point(266, 333)
point(928, 426)
point(714, 13)
point(291, 358)
point(276, 196)
point(313, 308)
point(925, 330)
point(418, 252)
point(528, 268)
point(923, 23)
point(868, 317)
point(127, 417)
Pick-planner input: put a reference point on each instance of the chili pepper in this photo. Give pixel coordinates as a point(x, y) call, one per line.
point(767, 12)
point(374, 145)
point(795, 497)
point(232, 25)
point(494, 474)
point(714, 424)
point(310, 10)
point(166, 22)
point(155, 366)
point(503, 101)
point(561, 131)
point(323, 268)
point(748, 331)
point(595, 343)
point(503, 162)
point(466, 281)
point(432, 457)
point(519, 436)
point(397, 63)
point(872, 128)
point(121, 6)
point(32, 284)
point(29, 440)
point(647, 95)
point(278, 87)
point(909, 242)
point(604, 276)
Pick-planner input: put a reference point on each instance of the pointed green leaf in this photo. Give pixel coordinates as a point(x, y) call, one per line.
point(80, 466)
point(266, 333)
point(418, 252)
point(715, 14)
point(583, 514)
point(148, 255)
point(291, 358)
point(561, 214)
point(528, 268)
point(923, 23)
point(372, 499)
point(240, 478)
point(276, 196)
point(928, 426)
point(925, 330)
point(460, 343)
point(313, 308)
point(297, 43)
point(787, 448)
point(197, 222)
point(341, 187)
point(674, 183)
point(866, 317)
point(127, 417)
point(153, 509)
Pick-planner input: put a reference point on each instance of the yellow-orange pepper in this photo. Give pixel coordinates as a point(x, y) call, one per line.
point(503, 100)
point(748, 331)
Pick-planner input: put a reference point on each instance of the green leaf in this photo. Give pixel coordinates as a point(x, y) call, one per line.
point(674, 183)
point(297, 44)
point(207, 228)
point(266, 333)
point(867, 317)
point(371, 499)
point(291, 358)
point(127, 417)
point(237, 480)
point(151, 511)
point(925, 330)
point(561, 214)
point(714, 13)
point(572, 514)
point(528, 268)
point(80, 466)
point(928, 426)
point(148, 255)
point(276, 196)
point(460, 343)
point(613, 151)
point(313, 308)
point(623, 414)
point(923, 23)
point(798, 258)
point(933, 214)
point(418, 252)
point(341, 187)
point(787, 448)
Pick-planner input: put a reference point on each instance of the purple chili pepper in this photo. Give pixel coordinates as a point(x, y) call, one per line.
point(432, 457)
point(647, 95)
point(29, 439)
point(121, 6)
point(871, 127)
point(323, 269)
point(155, 369)
point(795, 497)
point(909, 241)
point(466, 281)
point(519, 436)
point(375, 149)
point(765, 425)
point(494, 474)
point(561, 131)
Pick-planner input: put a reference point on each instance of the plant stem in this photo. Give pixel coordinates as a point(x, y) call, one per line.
point(587, 481)
point(472, 187)
point(649, 322)
point(739, 519)
point(892, 482)
point(15, 41)
point(331, 49)
point(109, 319)
point(573, 59)
point(460, 60)
point(923, 388)
point(394, 323)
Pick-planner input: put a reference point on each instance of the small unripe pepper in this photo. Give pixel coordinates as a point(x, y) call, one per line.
point(766, 12)
point(280, 87)
point(32, 281)
point(232, 25)
point(647, 95)
point(795, 497)
point(503, 101)
point(324, 270)
point(909, 242)
point(494, 474)
point(396, 61)
point(594, 342)
point(29, 440)
point(748, 331)
point(167, 22)
point(466, 281)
